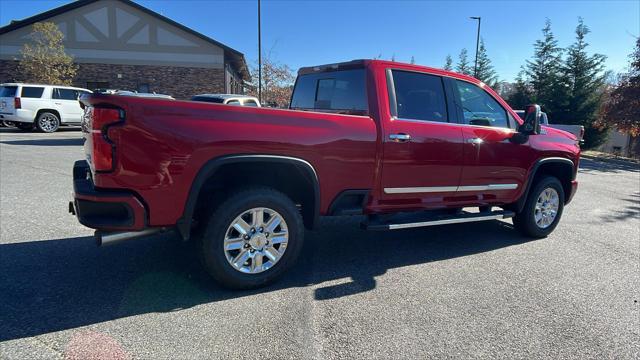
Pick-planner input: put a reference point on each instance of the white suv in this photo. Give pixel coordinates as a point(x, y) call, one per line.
point(44, 106)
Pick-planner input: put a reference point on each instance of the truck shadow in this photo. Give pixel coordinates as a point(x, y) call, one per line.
point(54, 285)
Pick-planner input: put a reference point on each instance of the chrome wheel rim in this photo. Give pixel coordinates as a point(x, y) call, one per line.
point(547, 207)
point(48, 123)
point(256, 240)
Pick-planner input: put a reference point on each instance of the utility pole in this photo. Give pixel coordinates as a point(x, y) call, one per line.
point(475, 67)
point(259, 57)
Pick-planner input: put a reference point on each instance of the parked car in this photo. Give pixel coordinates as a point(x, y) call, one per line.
point(577, 130)
point(228, 99)
point(407, 146)
point(46, 107)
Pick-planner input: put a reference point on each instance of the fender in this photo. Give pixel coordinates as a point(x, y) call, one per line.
point(519, 205)
point(210, 167)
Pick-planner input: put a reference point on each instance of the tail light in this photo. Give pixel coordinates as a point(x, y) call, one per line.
point(16, 103)
point(103, 147)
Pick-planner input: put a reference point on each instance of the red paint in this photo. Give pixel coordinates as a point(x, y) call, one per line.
point(162, 144)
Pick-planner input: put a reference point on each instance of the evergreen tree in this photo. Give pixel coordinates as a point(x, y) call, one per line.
point(543, 71)
point(413, 60)
point(583, 78)
point(448, 63)
point(521, 95)
point(463, 66)
point(485, 72)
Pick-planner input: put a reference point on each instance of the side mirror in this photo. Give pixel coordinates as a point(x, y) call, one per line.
point(531, 125)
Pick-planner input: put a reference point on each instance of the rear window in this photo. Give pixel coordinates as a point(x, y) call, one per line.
point(32, 92)
point(338, 91)
point(8, 91)
point(207, 99)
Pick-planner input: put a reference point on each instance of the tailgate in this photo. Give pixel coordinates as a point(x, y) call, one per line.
point(7, 99)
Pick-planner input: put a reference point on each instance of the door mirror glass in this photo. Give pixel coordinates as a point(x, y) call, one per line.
point(531, 125)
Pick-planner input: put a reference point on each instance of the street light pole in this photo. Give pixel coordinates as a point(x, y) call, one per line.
point(259, 57)
point(475, 67)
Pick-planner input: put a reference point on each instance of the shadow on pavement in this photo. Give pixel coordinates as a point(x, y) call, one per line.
point(589, 166)
point(54, 285)
point(629, 211)
point(46, 142)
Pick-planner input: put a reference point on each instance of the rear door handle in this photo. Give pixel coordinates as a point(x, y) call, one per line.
point(401, 137)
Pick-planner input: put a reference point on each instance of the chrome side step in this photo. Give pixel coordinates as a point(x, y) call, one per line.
point(463, 217)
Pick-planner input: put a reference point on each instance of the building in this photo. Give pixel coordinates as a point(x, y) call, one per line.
point(621, 144)
point(119, 44)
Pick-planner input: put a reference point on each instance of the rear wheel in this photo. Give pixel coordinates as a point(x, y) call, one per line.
point(252, 238)
point(48, 122)
point(543, 209)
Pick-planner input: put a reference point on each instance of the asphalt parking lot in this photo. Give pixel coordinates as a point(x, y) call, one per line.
point(471, 291)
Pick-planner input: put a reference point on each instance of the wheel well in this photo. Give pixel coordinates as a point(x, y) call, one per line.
point(55, 112)
point(289, 178)
point(562, 171)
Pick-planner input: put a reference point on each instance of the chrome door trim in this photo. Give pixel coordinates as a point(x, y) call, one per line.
point(432, 189)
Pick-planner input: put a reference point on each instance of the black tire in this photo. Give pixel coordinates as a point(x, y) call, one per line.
point(47, 122)
point(24, 126)
point(525, 221)
point(211, 242)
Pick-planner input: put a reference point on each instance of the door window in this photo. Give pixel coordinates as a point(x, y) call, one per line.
point(250, 103)
point(65, 94)
point(480, 108)
point(419, 96)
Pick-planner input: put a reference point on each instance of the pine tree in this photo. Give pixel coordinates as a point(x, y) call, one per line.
point(583, 77)
point(521, 95)
point(485, 72)
point(44, 59)
point(544, 71)
point(463, 66)
point(413, 60)
point(448, 63)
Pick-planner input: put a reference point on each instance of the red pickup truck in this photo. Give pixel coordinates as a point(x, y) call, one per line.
point(404, 145)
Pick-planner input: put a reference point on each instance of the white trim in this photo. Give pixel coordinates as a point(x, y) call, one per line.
point(432, 189)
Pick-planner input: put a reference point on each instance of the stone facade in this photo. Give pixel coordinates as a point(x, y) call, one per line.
point(179, 82)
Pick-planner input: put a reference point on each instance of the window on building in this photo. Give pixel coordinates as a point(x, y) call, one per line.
point(419, 96)
point(480, 108)
point(32, 92)
point(143, 88)
point(65, 94)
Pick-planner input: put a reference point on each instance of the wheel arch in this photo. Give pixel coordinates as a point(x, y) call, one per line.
point(53, 111)
point(206, 182)
point(561, 168)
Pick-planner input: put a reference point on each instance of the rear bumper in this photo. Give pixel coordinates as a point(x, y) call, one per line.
point(574, 188)
point(20, 115)
point(102, 209)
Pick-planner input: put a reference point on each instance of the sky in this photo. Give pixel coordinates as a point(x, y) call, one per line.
point(304, 33)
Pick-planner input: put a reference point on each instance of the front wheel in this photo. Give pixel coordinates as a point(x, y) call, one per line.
point(543, 209)
point(252, 238)
point(48, 122)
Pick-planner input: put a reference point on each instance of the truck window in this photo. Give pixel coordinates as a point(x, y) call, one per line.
point(8, 91)
point(480, 108)
point(32, 92)
point(341, 91)
point(419, 96)
point(65, 94)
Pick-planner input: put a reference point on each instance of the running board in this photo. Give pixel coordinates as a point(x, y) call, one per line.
point(462, 217)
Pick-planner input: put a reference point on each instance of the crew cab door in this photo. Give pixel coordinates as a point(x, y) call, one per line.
point(422, 150)
point(495, 168)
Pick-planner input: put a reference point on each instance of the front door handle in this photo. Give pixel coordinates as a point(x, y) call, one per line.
point(401, 137)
